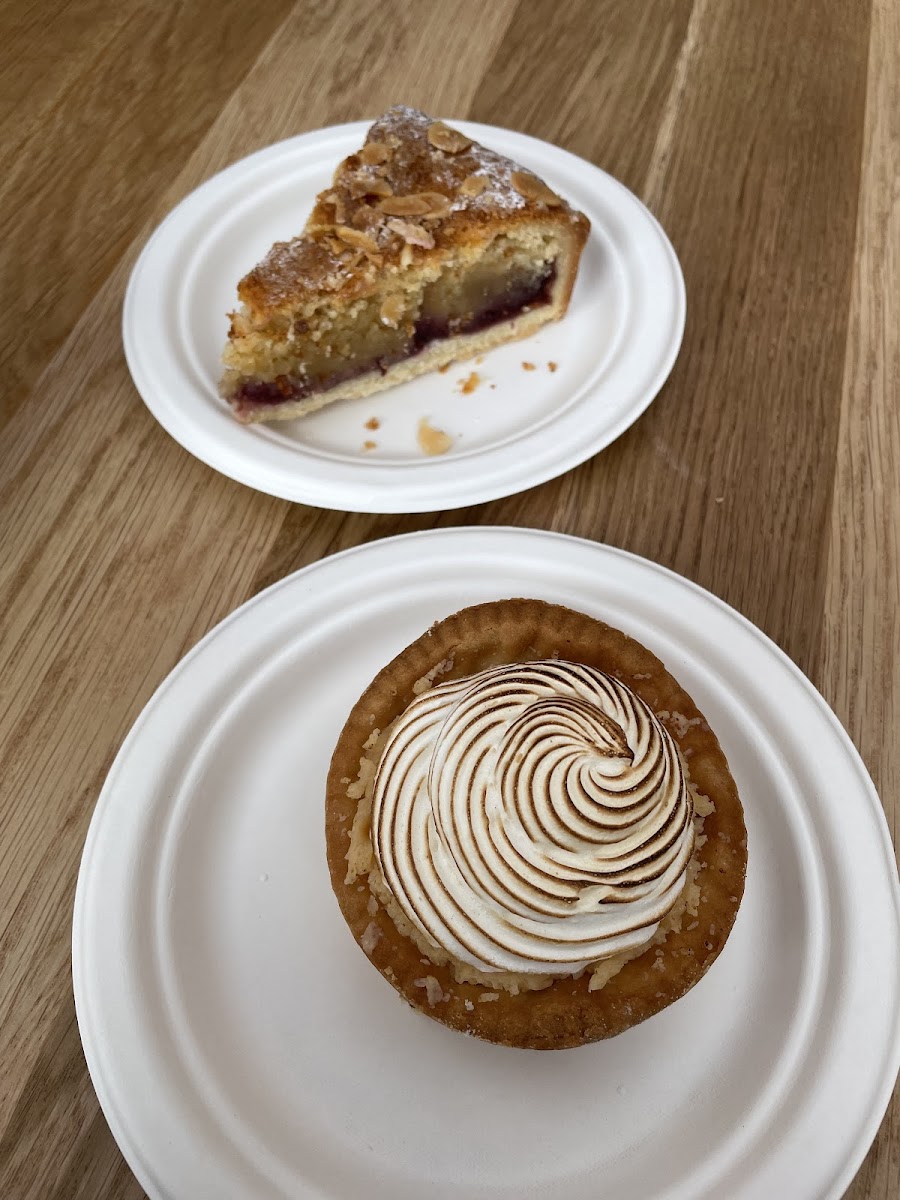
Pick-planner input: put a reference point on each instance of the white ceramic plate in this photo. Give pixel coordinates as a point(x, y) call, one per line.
point(242, 1046)
point(613, 350)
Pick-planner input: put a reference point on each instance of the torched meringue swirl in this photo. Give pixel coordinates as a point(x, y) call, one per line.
point(532, 818)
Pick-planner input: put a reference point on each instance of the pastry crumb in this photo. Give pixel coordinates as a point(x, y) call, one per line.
point(369, 445)
point(370, 937)
point(432, 441)
point(703, 806)
point(433, 990)
point(468, 385)
point(427, 680)
point(373, 423)
point(444, 369)
point(551, 366)
point(680, 723)
point(528, 366)
point(470, 1007)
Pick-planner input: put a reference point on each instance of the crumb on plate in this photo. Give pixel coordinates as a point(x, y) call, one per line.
point(432, 441)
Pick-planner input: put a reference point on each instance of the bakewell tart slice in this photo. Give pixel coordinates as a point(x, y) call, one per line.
point(426, 248)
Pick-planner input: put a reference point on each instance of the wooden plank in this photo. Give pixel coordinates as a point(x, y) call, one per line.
point(120, 96)
point(858, 666)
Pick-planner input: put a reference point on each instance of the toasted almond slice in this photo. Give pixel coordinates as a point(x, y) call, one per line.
point(532, 188)
point(473, 185)
point(373, 153)
point(357, 238)
point(442, 137)
point(439, 205)
point(340, 210)
point(413, 235)
point(404, 206)
point(335, 245)
point(370, 186)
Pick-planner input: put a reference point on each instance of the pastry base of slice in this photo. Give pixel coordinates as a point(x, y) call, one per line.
point(566, 1013)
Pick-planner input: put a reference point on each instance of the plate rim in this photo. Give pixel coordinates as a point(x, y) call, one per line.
point(142, 1170)
point(367, 495)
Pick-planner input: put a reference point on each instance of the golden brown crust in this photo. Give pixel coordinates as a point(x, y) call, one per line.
point(566, 1013)
point(349, 237)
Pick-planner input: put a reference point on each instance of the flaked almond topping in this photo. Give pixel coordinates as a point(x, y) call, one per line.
point(340, 210)
point(357, 238)
point(532, 188)
point(392, 309)
point(372, 186)
point(413, 235)
point(406, 256)
point(442, 137)
point(473, 185)
point(438, 204)
point(374, 153)
point(404, 206)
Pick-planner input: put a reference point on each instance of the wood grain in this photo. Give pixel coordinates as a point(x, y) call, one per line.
point(763, 133)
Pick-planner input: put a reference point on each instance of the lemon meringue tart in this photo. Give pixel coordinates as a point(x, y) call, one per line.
point(426, 248)
point(531, 829)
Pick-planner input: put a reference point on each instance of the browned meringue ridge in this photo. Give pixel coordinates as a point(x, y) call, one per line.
point(565, 1013)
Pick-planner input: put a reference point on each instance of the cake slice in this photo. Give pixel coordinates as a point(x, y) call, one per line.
point(426, 248)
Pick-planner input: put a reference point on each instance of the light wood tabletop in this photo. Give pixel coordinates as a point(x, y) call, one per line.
point(764, 134)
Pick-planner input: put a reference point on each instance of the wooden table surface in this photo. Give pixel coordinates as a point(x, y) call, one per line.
point(765, 134)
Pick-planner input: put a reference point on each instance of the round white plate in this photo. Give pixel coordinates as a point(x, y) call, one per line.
point(613, 350)
point(242, 1046)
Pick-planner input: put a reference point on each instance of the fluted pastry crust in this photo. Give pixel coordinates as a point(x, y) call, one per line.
point(566, 1013)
